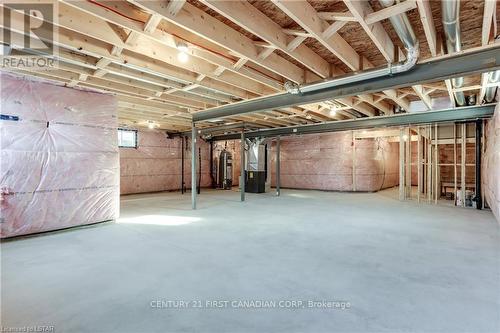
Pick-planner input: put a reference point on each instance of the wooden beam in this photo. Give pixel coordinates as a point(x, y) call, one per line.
point(381, 105)
point(337, 16)
point(307, 17)
point(488, 14)
point(424, 97)
point(152, 23)
point(376, 32)
point(294, 43)
point(402, 177)
point(449, 88)
point(206, 26)
point(381, 38)
point(333, 28)
point(253, 20)
point(175, 6)
point(482, 90)
point(296, 32)
point(424, 9)
point(96, 48)
point(165, 43)
point(386, 13)
point(361, 107)
point(228, 7)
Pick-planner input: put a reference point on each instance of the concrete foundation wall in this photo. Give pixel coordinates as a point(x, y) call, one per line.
point(325, 162)
point(156, 164)
point(491, 164)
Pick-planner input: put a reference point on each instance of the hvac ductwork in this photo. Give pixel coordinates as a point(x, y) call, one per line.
point(451, 26)
point(490, 93)
point(465, 63)
point(493, 77)
point(402, 26)
point(405, 32)
point(390, 69)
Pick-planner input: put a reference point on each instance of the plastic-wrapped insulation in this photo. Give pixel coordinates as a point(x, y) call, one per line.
point(59, 159)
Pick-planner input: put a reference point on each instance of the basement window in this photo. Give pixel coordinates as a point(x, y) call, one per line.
point(127, 138)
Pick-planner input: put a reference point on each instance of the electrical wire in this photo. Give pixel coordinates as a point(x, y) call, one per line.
point(181, 38)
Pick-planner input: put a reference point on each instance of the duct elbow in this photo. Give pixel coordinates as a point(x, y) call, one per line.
point(292, 87)
point(411, 60)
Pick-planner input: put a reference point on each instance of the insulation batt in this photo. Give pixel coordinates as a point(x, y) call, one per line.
point(324, 162)
point(156, 164)
point(491, 164)
point(59, 161)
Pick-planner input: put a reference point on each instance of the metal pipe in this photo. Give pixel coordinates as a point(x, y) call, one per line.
point(182, 164)
point(479, 129)
point(402, 26)
point(465, 63)
point(193, 166)
point(489, 95)
point(463, 153)
point(242, 161)
point(278, 170)
point(198, 187)
point(451, 25)
point(358, 76)
point(212, 178)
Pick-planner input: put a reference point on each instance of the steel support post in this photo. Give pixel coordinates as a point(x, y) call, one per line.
point(193, 166)
point(242, 178)
point(278, 170)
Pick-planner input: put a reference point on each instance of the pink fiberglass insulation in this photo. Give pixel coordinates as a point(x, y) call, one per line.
point(325, 162)
point(156, 164)
point(59, 160)
point(491, 164)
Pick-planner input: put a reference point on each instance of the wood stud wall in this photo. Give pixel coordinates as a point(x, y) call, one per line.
point(430, 142)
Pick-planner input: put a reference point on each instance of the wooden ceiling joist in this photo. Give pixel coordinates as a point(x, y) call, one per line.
point(236, 50)
point(250, 18)
point(198, 22)
point(307, 17)
point(163, 46)
point(386, 13)
point(375, 30)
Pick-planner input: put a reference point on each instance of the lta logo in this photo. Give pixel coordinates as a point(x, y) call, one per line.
point(29, 34)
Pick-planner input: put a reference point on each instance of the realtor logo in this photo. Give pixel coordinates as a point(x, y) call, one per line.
point(29, 31)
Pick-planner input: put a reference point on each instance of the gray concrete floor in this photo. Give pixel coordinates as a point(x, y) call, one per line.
point(403, 267)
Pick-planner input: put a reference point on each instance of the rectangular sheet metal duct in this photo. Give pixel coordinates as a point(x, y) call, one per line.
point(447, 115)
point(478, 61)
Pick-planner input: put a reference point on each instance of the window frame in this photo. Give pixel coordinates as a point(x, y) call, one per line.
point(128, 130)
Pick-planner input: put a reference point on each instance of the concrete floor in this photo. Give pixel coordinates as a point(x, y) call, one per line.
point(401, 266)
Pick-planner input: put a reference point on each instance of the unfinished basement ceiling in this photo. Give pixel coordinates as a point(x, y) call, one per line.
point(131, 49)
